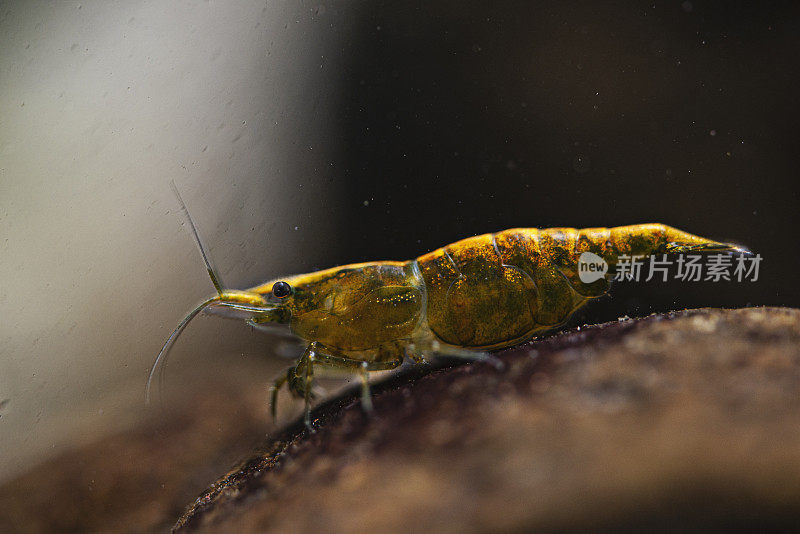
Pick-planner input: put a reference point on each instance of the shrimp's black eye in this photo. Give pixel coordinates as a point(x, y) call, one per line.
point(281, 289)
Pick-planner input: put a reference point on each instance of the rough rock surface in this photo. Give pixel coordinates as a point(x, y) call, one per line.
point(682, 420)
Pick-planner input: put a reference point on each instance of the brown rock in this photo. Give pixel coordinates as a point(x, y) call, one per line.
point(684, 420)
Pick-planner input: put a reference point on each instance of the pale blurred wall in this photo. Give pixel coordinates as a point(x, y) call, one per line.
point(101, 104)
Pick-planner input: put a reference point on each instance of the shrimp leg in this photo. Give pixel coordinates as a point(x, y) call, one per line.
point(276, 387)
point(430, 349)
point(300, 377)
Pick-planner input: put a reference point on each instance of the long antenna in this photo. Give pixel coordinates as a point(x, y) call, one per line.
point(215, 279)
point(161, 359)
point(162, 354)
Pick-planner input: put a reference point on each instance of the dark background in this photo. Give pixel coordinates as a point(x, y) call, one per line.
point(464, 118)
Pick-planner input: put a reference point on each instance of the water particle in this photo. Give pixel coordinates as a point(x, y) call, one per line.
point(581, 164)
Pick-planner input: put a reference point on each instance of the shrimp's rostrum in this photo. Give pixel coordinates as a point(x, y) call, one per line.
point(481, 293)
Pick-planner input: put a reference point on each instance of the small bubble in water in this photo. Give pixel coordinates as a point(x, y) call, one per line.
point(296, 227)
point(712, 133)
point(366, 202)
point(581, 164)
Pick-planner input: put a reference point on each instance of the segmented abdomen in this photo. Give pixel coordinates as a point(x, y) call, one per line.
point(495, 290)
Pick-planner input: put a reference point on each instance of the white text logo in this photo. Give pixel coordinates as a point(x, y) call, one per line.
point(591, 267)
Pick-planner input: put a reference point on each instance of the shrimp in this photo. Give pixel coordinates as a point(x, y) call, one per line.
point(476, 295)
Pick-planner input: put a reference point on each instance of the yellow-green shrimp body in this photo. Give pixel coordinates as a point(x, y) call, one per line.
point(481, 293)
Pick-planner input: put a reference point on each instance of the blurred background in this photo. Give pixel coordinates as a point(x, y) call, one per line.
point(304, 135)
